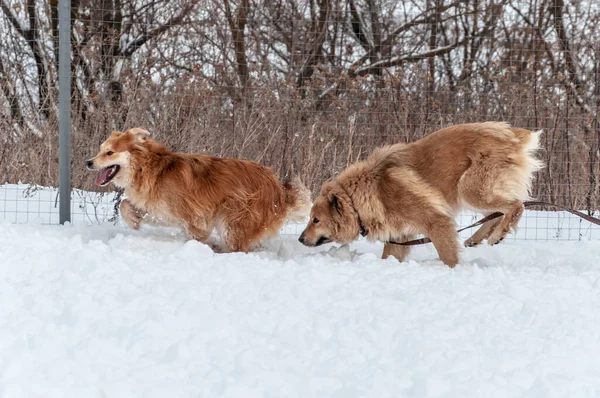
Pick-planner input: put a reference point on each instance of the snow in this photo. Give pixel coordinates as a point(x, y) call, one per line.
point(104, 311)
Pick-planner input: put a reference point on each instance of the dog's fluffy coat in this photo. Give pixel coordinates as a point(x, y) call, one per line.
point(418, 188)
point(243, 200)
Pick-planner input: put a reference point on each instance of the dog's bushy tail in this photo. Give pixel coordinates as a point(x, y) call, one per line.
point(297, 200)
point(530, 163)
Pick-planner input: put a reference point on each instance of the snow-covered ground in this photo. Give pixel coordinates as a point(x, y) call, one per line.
point(103, 311)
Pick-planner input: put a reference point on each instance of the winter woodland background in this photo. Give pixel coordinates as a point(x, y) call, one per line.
point(304, 86)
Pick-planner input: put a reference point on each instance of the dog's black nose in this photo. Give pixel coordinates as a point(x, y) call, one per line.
point(301, 239)
point(89, 164)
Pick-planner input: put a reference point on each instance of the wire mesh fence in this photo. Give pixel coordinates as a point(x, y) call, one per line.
point(305, 87)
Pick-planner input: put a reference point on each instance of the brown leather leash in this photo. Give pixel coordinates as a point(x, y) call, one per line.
point(498, 214)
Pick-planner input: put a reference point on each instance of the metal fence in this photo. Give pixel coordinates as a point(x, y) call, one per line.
point(305, 87)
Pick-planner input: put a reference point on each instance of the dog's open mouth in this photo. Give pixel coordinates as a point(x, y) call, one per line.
point(322, 240)
point(107, 174)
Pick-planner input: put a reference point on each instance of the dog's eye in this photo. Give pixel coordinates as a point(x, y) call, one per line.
point(315, 220)
point(109, 153)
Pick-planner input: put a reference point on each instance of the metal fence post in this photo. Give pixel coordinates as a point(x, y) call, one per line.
point(64, 110)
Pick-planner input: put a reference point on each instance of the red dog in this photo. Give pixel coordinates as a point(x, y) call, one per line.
point(243, 200)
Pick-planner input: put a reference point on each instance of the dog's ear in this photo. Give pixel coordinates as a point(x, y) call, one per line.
point(116, 134)
point(139, 133)
point(335, 203)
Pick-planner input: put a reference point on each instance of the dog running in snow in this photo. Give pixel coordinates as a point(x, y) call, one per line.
point(242, 200)
point(418, 188)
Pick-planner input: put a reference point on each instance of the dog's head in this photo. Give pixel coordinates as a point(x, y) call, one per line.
point(114, 158)
point(332, 218)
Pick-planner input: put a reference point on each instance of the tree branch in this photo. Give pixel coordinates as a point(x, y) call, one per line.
point(11, 96)
point(389, 40)
point(358, 27)
point(237, 26)
point(539, 35)
point(30, 35)
point(135, 45)
point(575, 83)
point(395, 61)
point(313, 56)
point(13, 20)
point(32, 18)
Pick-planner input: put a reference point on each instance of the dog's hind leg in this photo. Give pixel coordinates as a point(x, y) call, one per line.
point(491, 185)
point(482, 194)
point(512, 215)
point(397, 251)
point(200, 234)
point(237, 241)
point(200, 229)
point(483, 232)
point(238, 238)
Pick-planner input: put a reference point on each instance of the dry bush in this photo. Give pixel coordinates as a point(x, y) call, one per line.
point(306, 135)
point(305, 87)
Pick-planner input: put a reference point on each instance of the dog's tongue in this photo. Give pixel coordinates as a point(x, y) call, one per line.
point(104, 176)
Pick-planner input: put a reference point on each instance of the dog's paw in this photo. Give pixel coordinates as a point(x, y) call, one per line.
point(132, 221)
point(471, 243)
point(216, 248)
point(492, 241)
point(215, 245)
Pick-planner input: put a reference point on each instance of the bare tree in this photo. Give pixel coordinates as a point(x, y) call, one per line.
point(306, 86)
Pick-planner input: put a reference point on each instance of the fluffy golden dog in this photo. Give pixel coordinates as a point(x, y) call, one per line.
point(242, 200)
point(418, 188)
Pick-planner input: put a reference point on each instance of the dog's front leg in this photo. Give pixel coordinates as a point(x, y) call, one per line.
point(203, 235)
point(397, 251)
point(444, 237)
point(131, 215)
